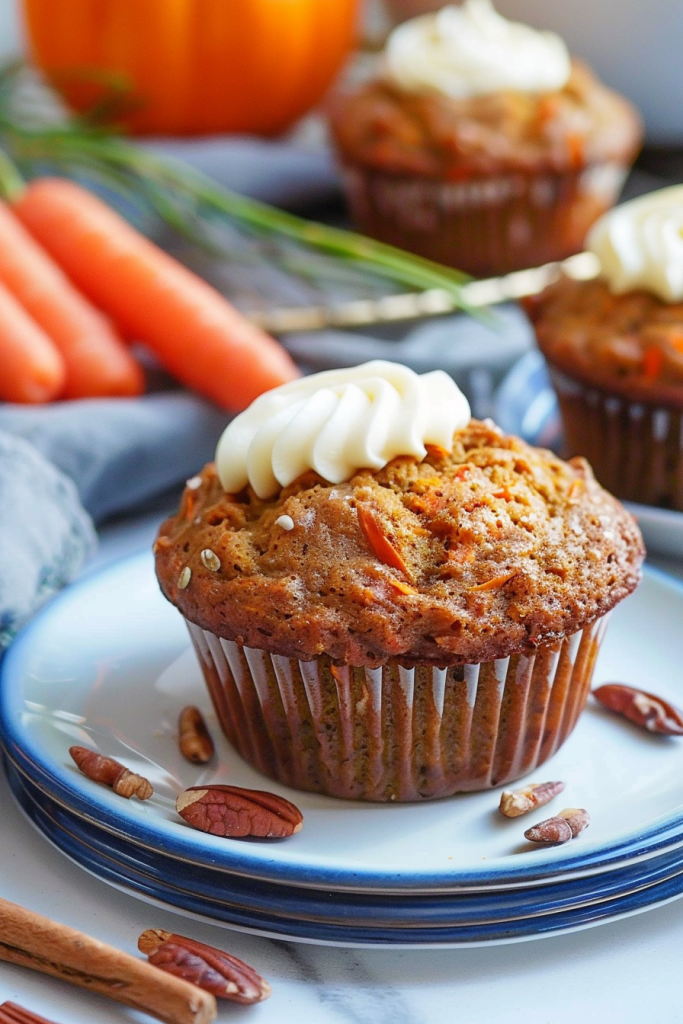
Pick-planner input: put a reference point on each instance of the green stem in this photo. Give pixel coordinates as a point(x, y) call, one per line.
point(78, 145)
point(11, 182)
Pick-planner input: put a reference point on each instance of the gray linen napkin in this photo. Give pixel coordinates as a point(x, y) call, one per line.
point(274, 172)
point(120, 452)
point(476, 353)
point(45, 535)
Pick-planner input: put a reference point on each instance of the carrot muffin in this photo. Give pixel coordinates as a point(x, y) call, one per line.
point(482, 145)
point(391, 601)
point(615, 350)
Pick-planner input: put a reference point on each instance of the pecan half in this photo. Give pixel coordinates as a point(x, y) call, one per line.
point(111, 773)
point(644, 709)
point(194, 738)
point(577, 817)
point(12, 1013)
point(219, 973)
point(553, 830)
point(514, 802)
point(235, 812)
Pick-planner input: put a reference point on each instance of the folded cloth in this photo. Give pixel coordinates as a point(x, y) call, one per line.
point(477, 353)
point(120, 452)
point(45, 535)
point(280, 173)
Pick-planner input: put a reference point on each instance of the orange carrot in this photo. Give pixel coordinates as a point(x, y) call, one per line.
point(378, 541)
point(495, 583)
point(96, 358)
point(195, 332)
point(653, 360)
point(31, 368)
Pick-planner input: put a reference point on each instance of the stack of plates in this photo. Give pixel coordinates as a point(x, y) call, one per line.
point(108, 665)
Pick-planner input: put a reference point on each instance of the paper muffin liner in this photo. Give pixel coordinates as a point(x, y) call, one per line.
point(487, 225)
point(393, 733)
point(635, 449)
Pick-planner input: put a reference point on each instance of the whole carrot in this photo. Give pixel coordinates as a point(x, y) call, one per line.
point(194, 331)
point(96, 359)
point(31, 368)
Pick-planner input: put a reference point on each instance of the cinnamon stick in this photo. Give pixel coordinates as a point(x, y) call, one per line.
point(12, 1013)
point(30, 940)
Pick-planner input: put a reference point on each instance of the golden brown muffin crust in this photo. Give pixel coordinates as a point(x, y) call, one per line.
point(631, 343)
point(428, 134)
point(467, 556)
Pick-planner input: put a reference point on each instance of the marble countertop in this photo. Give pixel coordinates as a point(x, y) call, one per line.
point(625, 971)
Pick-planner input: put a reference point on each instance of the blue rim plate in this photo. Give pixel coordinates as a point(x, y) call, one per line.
point(107, 664)
point(349, 919)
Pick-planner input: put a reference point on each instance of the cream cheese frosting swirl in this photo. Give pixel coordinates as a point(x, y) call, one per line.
point(472, 50)
point(338, 422)
point(640, 245)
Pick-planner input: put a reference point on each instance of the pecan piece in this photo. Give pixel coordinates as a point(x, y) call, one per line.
point(514, 802)
point(194, 738)
point(553, 830)
point(12, 1013)
point(219, 973)
point(235, 812)
point(642, 708)
point(111, 773)
point(577, 817)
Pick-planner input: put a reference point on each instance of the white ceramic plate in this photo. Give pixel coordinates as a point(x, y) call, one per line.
point(108, 664)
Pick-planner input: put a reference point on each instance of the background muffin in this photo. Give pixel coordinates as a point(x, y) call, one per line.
point(405, 632)
point(482, 145)
point(615, 350)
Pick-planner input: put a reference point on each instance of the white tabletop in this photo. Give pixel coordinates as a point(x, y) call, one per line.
point(625, 971)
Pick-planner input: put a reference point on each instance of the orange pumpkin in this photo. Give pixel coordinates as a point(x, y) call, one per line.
point(194, 66)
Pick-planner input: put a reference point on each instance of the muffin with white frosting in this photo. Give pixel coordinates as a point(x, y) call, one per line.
point(391, 601)
point(615, 350)
point(482, 144)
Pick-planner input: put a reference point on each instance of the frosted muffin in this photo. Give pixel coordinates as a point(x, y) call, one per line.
point(615, 350)
point(389, 600)
point(482, 145)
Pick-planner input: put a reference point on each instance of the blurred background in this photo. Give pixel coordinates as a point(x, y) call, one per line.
point(634, 46)
point(9, 28)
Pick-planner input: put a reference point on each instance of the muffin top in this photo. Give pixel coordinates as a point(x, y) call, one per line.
point(463, 555)
point(465, 93)
point(381, 127)
point(624, 330)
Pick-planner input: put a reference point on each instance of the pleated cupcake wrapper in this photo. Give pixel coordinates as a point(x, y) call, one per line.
point(635, 449)
point(487, 225)
point(395, 733)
